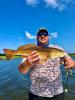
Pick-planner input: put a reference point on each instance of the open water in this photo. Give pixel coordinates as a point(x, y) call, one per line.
point(15, 86)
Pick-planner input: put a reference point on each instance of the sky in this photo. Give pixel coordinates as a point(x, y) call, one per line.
point(21, 19)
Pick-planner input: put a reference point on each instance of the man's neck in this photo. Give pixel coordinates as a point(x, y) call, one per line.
point(44, 45)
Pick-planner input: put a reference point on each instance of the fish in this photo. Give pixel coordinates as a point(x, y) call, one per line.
point(25, 50)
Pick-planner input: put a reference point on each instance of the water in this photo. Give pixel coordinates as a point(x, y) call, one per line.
point(15, 86)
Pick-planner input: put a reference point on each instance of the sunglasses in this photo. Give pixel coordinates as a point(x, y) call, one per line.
point(42, 33)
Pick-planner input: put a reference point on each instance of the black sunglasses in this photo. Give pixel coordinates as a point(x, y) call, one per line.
point(42, 33)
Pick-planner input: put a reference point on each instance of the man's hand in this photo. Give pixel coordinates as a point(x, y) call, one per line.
point(69, 62)
point(33, 58)
point(29, 62)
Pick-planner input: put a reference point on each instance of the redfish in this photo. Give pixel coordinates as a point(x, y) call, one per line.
point(44, 52)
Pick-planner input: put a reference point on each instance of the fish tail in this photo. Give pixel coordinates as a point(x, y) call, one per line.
point(8, 54)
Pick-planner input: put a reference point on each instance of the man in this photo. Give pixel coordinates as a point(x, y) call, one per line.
point(46, 81)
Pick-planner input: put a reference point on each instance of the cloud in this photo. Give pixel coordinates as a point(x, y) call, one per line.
point(55, 4)
point(32, 2)
point(52, 3)
point(54, 35)
point(59, 4)
point(29, 35)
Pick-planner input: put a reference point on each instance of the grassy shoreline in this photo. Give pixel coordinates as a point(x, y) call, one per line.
point(72, 54)
point(3, 56)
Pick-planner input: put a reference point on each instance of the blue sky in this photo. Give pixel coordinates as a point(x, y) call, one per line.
point(20, 20)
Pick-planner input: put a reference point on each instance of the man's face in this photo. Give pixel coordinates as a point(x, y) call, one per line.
point(43, 39)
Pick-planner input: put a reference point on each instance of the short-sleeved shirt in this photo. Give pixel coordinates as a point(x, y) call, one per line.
point(46, 79)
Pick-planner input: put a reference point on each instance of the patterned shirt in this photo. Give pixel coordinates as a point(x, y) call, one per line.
point(46, 79)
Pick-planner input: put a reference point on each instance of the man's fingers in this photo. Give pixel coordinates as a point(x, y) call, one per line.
point(34, 56)
point(68, 65)
point(68, 62)
point(36, 60)
point(33, 52)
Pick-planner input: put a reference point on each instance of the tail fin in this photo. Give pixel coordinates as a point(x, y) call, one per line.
point(8, 53)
